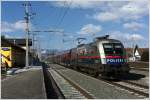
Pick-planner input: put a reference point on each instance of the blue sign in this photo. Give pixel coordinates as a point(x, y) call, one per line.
point(115, 61)
point(5, 49)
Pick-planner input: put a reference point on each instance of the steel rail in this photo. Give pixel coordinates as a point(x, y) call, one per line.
point(136, 84)
point(127, 88)
point(86, 94)
point(124, 87)
point(141, 69)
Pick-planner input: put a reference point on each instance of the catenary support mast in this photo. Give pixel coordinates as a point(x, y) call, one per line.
point(27, 4)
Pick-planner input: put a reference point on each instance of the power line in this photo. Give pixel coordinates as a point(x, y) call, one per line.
point(67, 9)
point(62, 18)
point(58, 15)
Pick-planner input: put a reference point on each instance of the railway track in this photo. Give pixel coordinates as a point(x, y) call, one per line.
point(136, 89)
point(69, 88)
point(132, 87)
point(141, 69)
point(140, 85)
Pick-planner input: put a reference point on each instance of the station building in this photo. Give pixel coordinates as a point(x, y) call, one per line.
point(13, 53)
point(137, 54)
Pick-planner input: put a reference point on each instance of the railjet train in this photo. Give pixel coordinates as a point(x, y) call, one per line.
point(104, 56)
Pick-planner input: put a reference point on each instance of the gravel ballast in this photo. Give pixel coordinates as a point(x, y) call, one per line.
point(98, 88)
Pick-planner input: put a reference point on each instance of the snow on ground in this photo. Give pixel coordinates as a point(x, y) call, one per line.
point(17, 70)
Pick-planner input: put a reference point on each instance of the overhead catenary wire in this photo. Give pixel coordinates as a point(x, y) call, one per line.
point(63, 16)
point(65, 13)
point(60, 14)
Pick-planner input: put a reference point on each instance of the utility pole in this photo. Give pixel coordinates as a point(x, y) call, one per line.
point(27, 32)
point(33, 47)
point(133, 47)
point(33, 42)
point(45, 31)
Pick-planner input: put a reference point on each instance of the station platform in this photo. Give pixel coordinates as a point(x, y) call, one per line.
point(25, 85)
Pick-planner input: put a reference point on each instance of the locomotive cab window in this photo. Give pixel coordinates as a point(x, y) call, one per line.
point(108, 48)
point(111, 48)
point(118, 48)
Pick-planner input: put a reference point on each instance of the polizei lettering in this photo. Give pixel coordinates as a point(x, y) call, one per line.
point(114, 60)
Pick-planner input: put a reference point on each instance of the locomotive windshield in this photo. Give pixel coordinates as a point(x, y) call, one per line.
point(113, 48)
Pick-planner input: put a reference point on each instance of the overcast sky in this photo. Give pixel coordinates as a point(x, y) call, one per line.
point(123, 20)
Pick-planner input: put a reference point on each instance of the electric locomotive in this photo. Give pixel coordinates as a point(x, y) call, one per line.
point(104, 56)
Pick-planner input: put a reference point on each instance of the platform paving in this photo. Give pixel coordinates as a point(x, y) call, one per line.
point(25, 85)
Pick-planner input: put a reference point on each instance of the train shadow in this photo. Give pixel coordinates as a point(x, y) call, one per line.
point(131, 76)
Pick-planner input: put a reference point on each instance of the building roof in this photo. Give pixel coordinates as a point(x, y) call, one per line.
point(129, 51)
point(20, 42)
point(6, 43)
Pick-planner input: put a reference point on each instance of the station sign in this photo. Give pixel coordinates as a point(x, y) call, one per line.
point(5, 48)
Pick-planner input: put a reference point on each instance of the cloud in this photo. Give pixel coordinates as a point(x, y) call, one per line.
point(6, 35)
point(84, 4)
point(133, 26)
point(19, 25)
point(136, 37)
point(135, 9)
point(125, 36)
point(109, 10)
point(131, 10)
point(6, 27)
point(105, 16)
point(12, 27)
point(71, 36)
point(90, 29)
